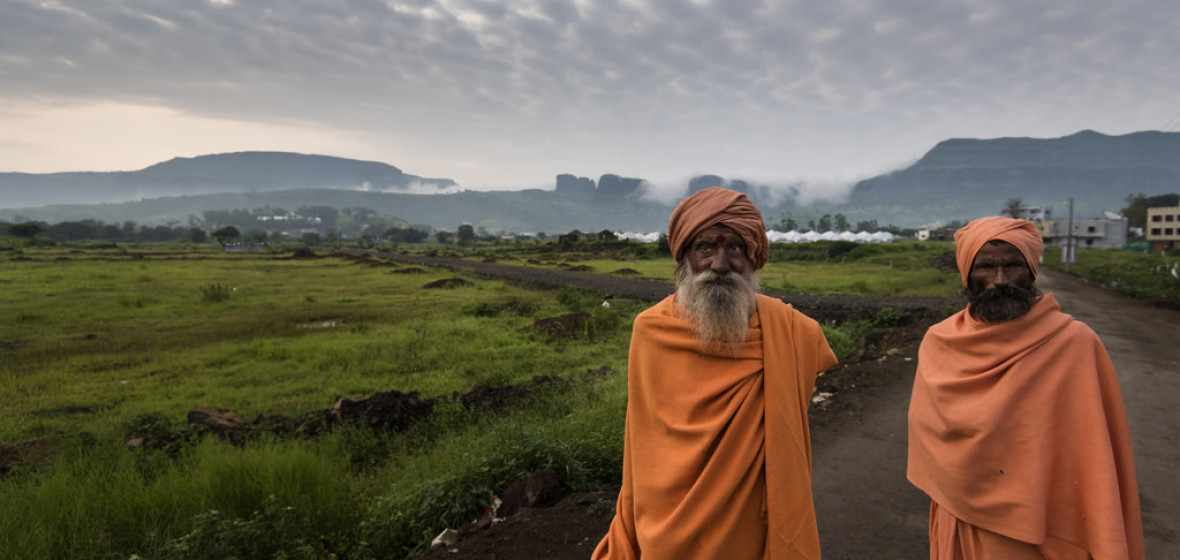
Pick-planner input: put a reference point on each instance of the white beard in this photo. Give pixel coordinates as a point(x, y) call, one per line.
point(719, 306)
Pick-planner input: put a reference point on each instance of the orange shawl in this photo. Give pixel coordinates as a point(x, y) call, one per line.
point(717, 454)
point(1019, 428)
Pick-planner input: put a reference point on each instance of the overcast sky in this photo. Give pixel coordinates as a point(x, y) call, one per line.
point(508, 94)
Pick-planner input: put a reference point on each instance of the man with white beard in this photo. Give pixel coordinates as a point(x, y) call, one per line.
point(717, 451)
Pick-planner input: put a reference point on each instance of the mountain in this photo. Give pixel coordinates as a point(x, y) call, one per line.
point(959, 179)
point(967, 178)
point(219, 173)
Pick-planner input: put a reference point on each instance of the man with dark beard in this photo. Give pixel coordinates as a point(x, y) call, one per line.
point(1017, 430)
point(717, 452)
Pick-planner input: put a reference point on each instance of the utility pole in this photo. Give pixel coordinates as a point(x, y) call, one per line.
point(1069, 237)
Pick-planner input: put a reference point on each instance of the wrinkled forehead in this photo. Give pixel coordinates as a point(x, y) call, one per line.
point(719, 233)
point(998, 251)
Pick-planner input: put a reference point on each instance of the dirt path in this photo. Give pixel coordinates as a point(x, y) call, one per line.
point(865, 506)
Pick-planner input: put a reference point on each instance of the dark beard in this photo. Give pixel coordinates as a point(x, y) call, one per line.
point(997, 305)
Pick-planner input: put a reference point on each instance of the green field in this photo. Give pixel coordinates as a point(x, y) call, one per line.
point(100, 344)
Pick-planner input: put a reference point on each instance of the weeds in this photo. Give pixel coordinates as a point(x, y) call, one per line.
point(216, 293)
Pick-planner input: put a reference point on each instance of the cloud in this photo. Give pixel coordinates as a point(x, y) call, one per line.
point(508, 93)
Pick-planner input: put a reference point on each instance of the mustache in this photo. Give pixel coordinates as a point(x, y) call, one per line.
point(719, 278)
point(1000, 293)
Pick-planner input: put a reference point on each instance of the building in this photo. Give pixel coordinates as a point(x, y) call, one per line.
point(1163, 227)
point(1107, 232)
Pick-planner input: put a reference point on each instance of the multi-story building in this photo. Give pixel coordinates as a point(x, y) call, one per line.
point(1163, 227)
point(1107, 232)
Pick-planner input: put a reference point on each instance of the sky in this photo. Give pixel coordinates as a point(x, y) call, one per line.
point(509, 94)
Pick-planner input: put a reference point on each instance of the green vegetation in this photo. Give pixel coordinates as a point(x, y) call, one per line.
point(107, 342)
point(110, 342)
point(823, 267)
point(1138, 274)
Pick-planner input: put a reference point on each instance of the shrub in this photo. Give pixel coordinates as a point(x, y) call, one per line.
point(216, 293)
point(843, 345)
point(480, 309)
point(889, 317)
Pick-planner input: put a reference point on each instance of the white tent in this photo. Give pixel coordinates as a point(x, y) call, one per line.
point(787, 237)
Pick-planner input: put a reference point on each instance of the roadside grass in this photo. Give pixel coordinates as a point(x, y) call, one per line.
point(827, 267)
point(1138, 274)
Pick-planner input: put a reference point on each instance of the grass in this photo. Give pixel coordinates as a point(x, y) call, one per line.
point(113, 338)
point(113, 341)
point(1138, 274)
point(826, 267)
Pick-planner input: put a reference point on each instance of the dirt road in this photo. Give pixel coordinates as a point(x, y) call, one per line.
point(866, 508)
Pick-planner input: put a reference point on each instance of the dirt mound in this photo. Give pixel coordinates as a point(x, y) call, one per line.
point(626, 272)
point(581, 268)
point(447, 283)
point(304, 253)
point(570, 325)
point(410, 270)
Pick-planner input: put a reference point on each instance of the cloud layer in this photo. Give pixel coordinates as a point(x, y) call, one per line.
point(509, 94)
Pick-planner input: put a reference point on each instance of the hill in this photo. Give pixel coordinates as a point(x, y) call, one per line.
point(965, 178)
point(219, 173)
point(959, 179)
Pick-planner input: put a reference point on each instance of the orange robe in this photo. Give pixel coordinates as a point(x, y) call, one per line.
point(1017, 431)
point(717, 452)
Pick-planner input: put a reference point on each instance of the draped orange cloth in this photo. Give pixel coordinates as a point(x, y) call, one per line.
point(717, 452)
point(1018, 428)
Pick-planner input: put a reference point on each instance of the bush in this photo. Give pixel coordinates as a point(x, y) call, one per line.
point(480, 309)
point(842, 344)
point(216, 293)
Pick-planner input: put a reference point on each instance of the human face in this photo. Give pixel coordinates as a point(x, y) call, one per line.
point(1000, 284)
point(719, 249)
point(999, 265)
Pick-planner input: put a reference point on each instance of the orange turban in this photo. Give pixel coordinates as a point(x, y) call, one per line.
point(717, 206)
point(1023, 234)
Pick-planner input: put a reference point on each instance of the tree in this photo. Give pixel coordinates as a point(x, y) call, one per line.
point(825, 223)
point(227, 234)
point(842, 223)
point(1013, 208)
point(443, 237)
point(405, 235)
point(869, 226)
point(787, 224)
point(27, 230)
point(466, 235)
point(256, 236)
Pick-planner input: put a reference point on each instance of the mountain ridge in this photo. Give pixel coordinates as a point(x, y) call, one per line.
point(958, 179)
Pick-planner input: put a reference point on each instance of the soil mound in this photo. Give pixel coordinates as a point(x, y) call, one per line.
point(447, 283)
